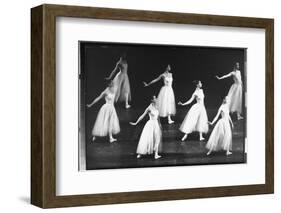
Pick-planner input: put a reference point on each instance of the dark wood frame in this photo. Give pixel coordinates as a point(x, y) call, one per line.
point(43, 105)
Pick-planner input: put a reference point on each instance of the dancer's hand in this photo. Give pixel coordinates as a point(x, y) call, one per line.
point(210, 123)
point(145, 84)
point(134, 124)
point(180, 103)
point(107, 78)
point(217, 77)
point(89, 105)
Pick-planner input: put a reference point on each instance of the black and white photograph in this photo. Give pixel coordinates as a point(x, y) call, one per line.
point(154, 105)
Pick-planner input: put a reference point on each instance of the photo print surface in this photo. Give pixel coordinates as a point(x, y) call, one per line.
point(147, 105)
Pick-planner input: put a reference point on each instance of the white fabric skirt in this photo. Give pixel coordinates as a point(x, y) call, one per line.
point(122, 84)
point(166, 104)
point(150, 138)
point(107, 121)
point(195, 120)
point(235, 98)
point(221, 137)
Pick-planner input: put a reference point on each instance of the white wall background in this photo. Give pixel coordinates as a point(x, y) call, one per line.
point(15, 104)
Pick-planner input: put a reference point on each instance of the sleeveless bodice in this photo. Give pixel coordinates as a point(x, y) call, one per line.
point(168, 80)
point(199, 95)
point(109, 97)
point(153, 113)
point(224, 111)
point(237, 77)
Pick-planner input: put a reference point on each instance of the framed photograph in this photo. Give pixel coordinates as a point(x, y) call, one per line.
point(137, 106)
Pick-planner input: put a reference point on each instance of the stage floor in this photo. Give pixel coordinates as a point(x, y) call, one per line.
point(101, 154)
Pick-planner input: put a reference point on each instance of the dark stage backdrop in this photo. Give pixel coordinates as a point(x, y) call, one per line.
point(146, 62)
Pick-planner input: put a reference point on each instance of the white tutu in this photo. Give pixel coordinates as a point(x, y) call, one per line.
point(166, 98)
point(107, 120)
point(122, 84)
point(195, 120)
point(151, 135)
point(166, 102)
point(221, 137)
point(235, 98)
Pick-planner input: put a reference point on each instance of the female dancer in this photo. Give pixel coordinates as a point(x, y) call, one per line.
point(166, 98)
point(121, 82)
point(196, 119)
point(221, 137)
point(151, 136)
point(235, 92)
point(107, 122)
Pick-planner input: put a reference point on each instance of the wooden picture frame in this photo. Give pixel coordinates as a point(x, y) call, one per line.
point(43, 105)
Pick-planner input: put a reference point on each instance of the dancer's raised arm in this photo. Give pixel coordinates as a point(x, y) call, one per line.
point(96, 99)
point(216, 117)
point(224, 76)
point(188, 102)
point(114, 70)
point(153, 81)
point(141, 117)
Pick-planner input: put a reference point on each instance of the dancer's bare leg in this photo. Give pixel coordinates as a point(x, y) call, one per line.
point(156, 155)
point(184, 137)
point(170, 121)
point(111, 139)
point(127, 105)
point(210, 151)
point(201, 138)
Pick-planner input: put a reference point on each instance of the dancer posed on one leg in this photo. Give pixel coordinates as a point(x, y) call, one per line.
point(107, 122)
point(235, 92)
point(166, 98)
point(121, 82)
point(151, 136)
point(196, 119)
point(221, 136)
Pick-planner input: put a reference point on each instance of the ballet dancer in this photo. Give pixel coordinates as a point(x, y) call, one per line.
point(151, 136)
point(221, 136)
point(166, 98)
point(196, 119)
point(121, 82)
point(107, 122)
point(235, 91)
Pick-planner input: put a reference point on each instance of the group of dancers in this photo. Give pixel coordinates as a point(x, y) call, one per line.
point(164, 105)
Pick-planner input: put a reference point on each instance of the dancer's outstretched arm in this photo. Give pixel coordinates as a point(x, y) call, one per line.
point(224, 76)
point(153, 81)
point(216, 117)
point(141, 117)
point(96, 99)
point(188, 102)
point(114, 70)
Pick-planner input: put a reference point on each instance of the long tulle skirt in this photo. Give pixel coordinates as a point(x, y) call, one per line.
point(107, 121)
point(221, 137)
point(195, 120)
point(235, 98)
point(122, 84)
point(150, 139)
point(166, 102)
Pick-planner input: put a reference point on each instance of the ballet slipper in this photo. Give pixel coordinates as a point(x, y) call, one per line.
point(127, 106)
point(157, 157)
point(171, 122)
point(239, 117)
point(209, 152)
point(228, 153)
point(138, 156)
point(93, 139)
point(202, 139)
point(111, 140)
